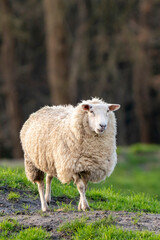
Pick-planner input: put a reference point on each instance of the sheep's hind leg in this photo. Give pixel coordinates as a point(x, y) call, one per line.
point(36, 176)
point(81, 186)
point(44, 205)
point(48, 189)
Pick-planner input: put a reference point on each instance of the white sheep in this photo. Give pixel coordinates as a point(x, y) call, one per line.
point(70, 143)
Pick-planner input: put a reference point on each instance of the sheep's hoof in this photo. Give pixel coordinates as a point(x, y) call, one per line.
point(45, 209)
point(79, 207)
point(48, 200)
point(85, 207)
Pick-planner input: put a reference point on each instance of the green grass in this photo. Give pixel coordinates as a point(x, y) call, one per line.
point(13, 196)
point(33, 233)
point(136, 172)
point(10, 229)
point(144, 148)
point(15, 178)
point(65, 207)
point(133, 186)
point(140, 148)
point(26, 206)
point(109, 199)
point(103, 229)
point(8, 225)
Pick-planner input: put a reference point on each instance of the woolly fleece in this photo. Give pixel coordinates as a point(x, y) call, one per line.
point(59, 141)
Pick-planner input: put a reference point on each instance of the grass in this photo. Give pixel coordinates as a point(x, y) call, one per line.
point(133, 186)
point(10, 229)
point(138, 173)
point(117, 201)
point(15, 178)
point(33, 233)
point(144, 148)
point(13, 196)
point(8, 225)
point(26, 206)
point(65, 207)
point(102, 229)
point(140, 148)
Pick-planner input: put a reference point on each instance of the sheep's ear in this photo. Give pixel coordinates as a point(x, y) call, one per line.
point(113, 107)
point(86, 107)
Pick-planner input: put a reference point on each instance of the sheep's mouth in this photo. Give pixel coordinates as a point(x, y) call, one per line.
point(100, 130)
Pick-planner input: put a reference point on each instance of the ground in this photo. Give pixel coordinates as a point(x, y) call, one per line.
point(27, 211)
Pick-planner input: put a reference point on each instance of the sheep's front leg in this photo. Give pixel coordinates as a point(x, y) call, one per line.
point(48, 189)
point(83, 204)
point(44, 205)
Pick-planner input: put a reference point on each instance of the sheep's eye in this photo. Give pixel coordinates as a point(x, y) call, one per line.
point(107, 110)
point(91, 112)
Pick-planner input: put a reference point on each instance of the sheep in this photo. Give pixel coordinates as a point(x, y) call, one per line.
point(70, 143)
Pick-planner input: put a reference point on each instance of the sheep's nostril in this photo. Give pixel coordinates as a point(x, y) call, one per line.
point(102, 125)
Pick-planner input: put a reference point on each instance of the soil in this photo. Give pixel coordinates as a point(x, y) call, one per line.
point(27, 211)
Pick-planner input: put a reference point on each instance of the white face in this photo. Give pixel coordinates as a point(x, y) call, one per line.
point(98, 115)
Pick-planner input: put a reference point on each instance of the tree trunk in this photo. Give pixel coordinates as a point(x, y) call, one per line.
point(142, 73)
point(79, 50)
point(8, 69)
point(56, 45)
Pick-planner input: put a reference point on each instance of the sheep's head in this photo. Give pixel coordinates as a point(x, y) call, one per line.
point(98, 115)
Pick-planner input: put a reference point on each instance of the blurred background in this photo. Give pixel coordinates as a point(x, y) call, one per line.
point(60, 52)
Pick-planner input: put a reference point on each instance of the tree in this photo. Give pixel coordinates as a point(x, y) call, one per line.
point(9, 74)
point(142, 72)
point(79, 49)
point(57, 56)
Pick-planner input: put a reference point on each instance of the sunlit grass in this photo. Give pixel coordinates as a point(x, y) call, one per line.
point(15, 178)
point(109, 199)
point(8, 225)
point(133, 186)
point(79, 229)
point(13, 196)
point(33, 233)
point(10, 229)
point(140, 148)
